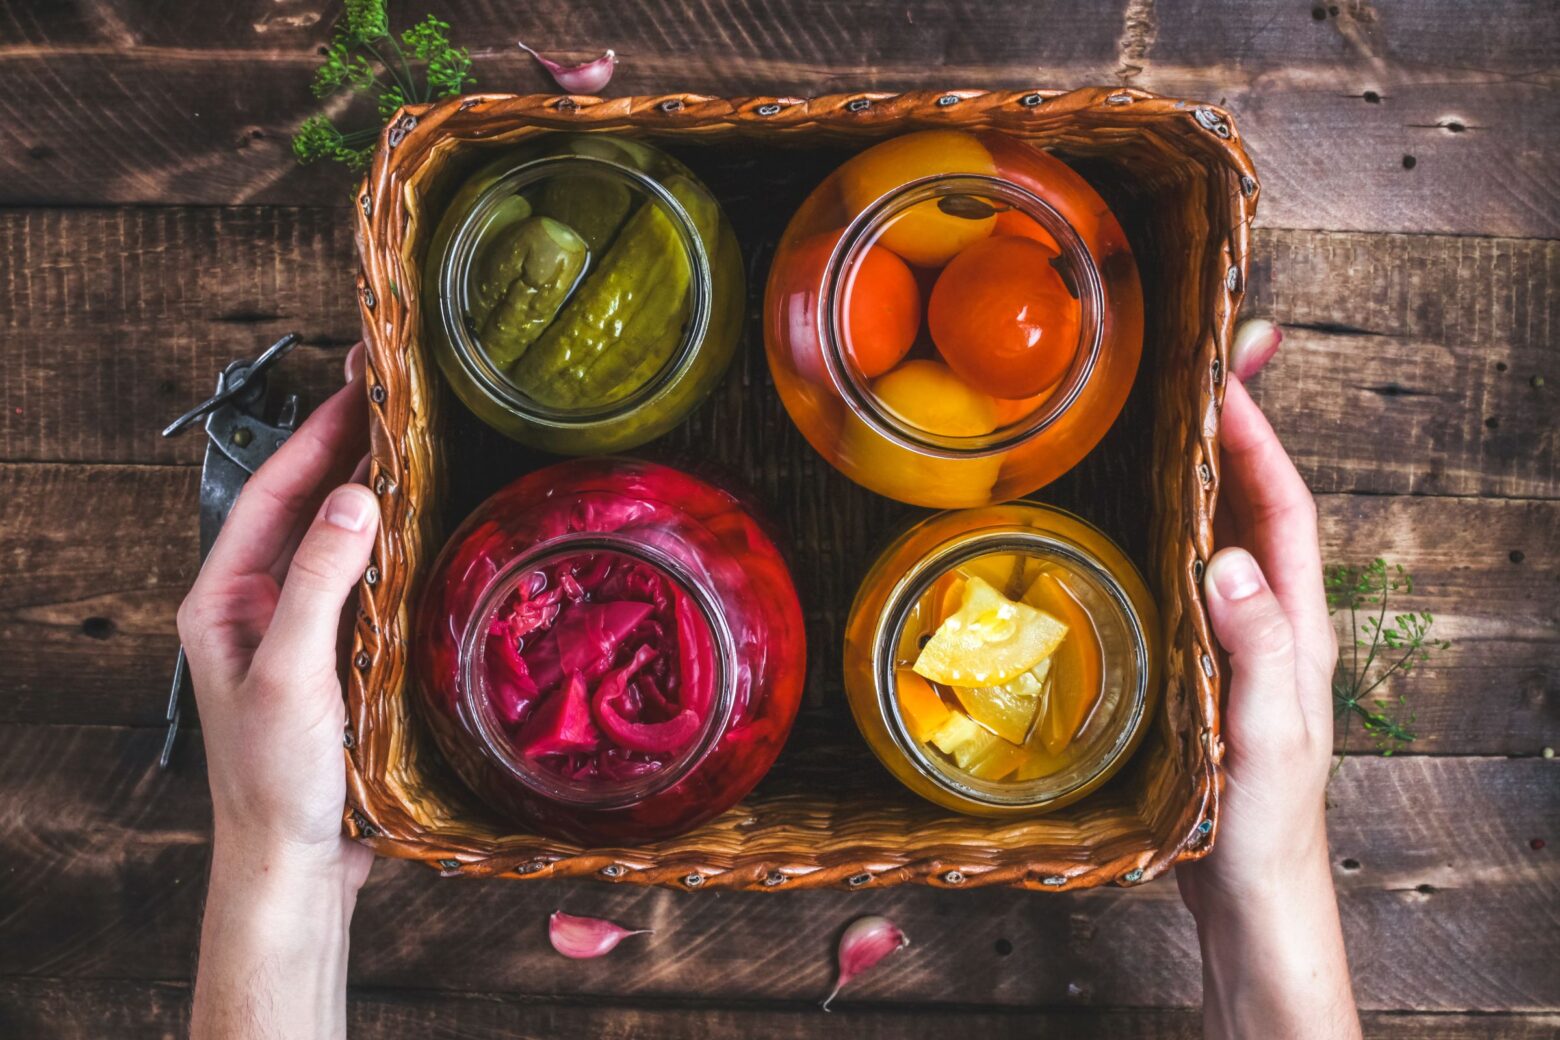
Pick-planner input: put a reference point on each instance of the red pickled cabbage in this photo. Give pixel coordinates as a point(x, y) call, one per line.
point(562, 724)
point(601, 667)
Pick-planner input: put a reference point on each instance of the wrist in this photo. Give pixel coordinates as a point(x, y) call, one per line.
point(250, 857)
point(1233, 884)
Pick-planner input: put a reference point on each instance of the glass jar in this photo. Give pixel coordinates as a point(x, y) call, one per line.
point(1002, 660)
point(610, 651)
point(953, 319)
point(584, 293)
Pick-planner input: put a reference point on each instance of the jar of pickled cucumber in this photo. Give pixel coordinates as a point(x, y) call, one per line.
point(953, 319)
point(610, 651)
point(583, 293)
point(1002, 660)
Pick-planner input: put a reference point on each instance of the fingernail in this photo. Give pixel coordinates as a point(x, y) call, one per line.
point(354, 362)
point(349, 508)
point(1235, 574)
point(1256, 341)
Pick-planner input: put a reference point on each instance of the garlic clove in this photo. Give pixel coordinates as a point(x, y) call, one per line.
point(1256, 341)
point(866, 941)
point(583, 937)
point(584, 78)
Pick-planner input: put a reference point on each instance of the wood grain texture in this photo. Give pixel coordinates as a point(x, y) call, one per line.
point(1331, 106)
point(1432, 856)
point(115, 319)
point(74, 1009)
point(86, 636)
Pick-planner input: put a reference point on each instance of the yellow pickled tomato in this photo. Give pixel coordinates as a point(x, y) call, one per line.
point(988, 641)
point(928, 396)
point(924, 234)
point(925, 395)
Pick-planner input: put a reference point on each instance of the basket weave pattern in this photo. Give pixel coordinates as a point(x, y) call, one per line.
point(1184, 161)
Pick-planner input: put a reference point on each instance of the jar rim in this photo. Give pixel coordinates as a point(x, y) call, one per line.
point(954, 551)
point(863, 231)
point(477, 712)
point(454, 278)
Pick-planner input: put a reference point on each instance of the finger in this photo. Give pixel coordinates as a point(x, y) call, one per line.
point(1256, 341)
point(1250, 623)
point(353, 365)
point(1275, 518)
point(302, 639)
point(277, 500)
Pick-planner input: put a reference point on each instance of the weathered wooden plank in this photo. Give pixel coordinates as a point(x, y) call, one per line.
point(1332, 108)
point(86, 618)
point(1435, 866)
point(115, 319)
point(1413, 364)
point(76, 1009)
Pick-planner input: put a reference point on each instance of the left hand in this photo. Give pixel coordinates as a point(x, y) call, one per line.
point(261, 628)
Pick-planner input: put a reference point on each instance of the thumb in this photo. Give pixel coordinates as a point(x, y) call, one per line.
point(327, 565)
point(1256, 341)
point(1263, 702)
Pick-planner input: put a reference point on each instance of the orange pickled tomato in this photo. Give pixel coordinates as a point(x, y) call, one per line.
point(924, 234)
point(1003, 319)
point(1014, 223)
point(882, 306)
point(882, 302)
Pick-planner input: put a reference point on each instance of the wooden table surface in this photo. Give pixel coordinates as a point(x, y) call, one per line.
point(154, 225)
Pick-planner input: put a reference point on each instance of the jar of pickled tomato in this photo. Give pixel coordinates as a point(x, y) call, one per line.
point(610, 651)
point(584, 293)
point(1002, 660)
point(953, 319)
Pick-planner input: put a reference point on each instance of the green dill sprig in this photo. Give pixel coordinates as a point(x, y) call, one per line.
point(1382, 647)
point(365, 57)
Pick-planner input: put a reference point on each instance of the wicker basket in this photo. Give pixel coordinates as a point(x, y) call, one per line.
point(1177, 175)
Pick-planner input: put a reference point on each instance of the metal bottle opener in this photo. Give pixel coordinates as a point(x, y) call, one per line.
point(238, 441)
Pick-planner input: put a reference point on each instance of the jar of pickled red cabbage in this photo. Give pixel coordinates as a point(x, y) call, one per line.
point(953, 319)
point(610, 651)
point(583, 293)
point(1002, 660)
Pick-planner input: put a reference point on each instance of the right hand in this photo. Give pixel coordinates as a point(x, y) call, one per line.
point(1267, 917)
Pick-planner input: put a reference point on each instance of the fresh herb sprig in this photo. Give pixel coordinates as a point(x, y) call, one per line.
point(1382, 648)
point(366, 58)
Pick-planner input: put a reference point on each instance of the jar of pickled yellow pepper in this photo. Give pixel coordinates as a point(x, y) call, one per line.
point(953, 319)
point(1002, 660)
point(583, 293)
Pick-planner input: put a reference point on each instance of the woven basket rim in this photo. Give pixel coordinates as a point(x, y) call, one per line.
point(388, 191)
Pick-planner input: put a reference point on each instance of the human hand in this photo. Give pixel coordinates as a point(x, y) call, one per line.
point(1263, 898)
point(261, 628)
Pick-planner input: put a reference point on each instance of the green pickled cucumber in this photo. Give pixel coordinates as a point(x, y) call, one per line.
point(486, 290)
point(623, 324)
point(592, 206)
point(538, 261)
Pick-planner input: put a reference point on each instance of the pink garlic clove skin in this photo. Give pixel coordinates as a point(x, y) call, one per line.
point(866, 942)
point(582, 938)
point(1256, 341)
point(585, 78)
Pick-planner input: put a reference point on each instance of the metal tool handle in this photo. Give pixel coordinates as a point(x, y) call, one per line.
point(239, 441)
point(229, 389)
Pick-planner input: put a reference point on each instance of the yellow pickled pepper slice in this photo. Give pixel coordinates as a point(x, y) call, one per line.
point(1009, 709)
point(1076, 684)
point(989, 640)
